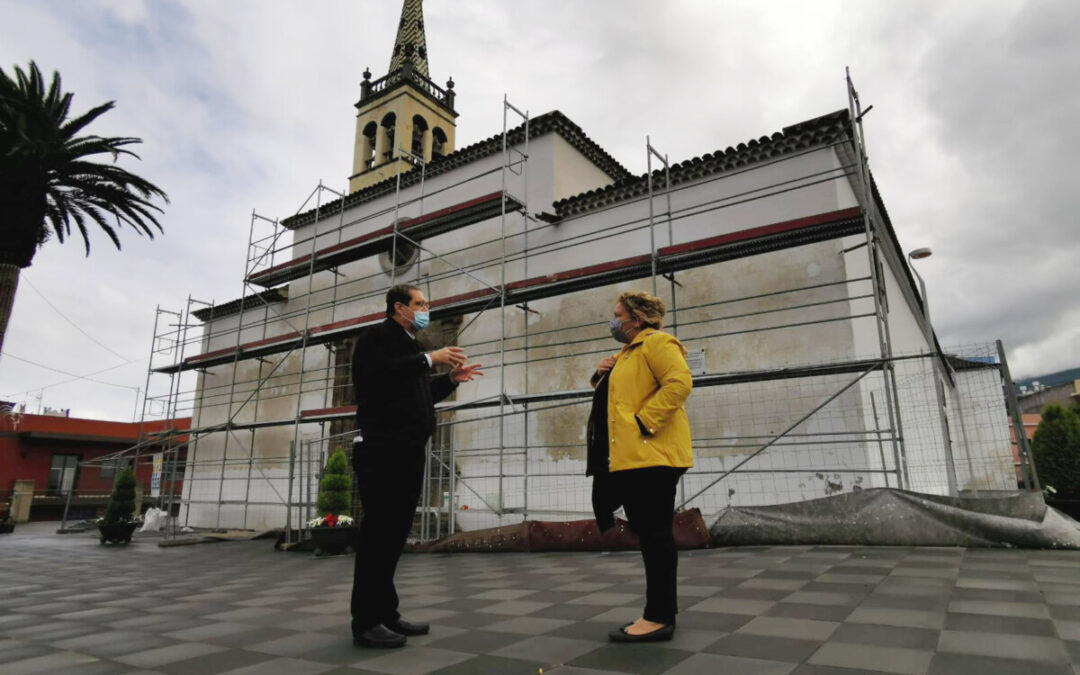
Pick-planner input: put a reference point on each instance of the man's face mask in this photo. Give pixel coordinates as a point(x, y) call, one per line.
point(420, 319)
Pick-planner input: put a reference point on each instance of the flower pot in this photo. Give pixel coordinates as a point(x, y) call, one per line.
point(116, 533)
point(334, 540)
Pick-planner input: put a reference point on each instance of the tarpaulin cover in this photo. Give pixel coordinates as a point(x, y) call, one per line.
point(574, 535)
point(891, 517)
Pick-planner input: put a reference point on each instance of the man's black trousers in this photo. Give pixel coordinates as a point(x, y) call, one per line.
point(389, 475)
point(648, 497)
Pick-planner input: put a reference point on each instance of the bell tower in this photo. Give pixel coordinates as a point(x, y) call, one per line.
point(402, 110)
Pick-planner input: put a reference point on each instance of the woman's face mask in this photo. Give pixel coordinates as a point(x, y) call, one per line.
point(617, 332)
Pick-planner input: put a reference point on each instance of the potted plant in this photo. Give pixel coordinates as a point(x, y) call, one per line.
point(334, 531)
point(118, 523)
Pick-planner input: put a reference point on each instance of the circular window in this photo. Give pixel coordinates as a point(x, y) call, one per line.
point(400, 258)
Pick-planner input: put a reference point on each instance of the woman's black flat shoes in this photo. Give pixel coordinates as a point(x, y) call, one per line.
point(659, 635)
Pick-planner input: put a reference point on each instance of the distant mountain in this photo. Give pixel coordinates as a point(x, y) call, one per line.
point(1060, 377)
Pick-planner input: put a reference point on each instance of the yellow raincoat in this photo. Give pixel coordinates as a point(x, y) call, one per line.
point(652, 381)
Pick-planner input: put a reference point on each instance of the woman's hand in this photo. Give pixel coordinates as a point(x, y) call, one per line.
point(605, 365)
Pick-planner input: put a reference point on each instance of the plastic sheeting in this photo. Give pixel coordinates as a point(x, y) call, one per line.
point(574, 535)
point(891, 517)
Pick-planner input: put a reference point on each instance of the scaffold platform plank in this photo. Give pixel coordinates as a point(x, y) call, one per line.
point(379, 241)
point(748, 242)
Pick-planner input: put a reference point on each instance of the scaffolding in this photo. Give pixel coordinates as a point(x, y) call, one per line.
point(857, 406)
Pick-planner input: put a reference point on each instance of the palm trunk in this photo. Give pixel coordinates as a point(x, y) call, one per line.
point(9, 282)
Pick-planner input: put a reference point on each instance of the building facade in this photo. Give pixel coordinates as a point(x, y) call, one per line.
point(816, 371)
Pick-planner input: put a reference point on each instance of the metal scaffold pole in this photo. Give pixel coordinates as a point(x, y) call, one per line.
point(877, 283)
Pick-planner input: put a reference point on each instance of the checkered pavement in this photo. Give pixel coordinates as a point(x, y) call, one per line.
point(69, 605)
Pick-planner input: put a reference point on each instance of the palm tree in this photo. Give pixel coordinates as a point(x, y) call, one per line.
point(47, 182)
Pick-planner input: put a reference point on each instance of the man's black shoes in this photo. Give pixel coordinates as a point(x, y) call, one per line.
point(379, 636)
point(407, 628)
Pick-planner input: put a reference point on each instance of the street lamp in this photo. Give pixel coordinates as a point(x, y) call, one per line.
point(919, 254)
point(928, 331)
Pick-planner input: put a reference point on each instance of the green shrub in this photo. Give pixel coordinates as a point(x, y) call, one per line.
point(335, 488)
point(1056, 448)
point(122, 501)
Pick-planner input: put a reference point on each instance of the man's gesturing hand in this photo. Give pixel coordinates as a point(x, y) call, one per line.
point(606, 364)
point(466, 373)
point(448, 356)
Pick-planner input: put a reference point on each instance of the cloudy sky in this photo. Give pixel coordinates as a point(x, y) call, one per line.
point(246, 105)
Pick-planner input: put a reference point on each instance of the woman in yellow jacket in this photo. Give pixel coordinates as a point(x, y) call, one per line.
point(639, 447)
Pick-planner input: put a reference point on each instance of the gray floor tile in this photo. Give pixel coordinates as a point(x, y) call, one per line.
point(959, 664)
point(804, 629)
point(732, 606)
point(886, 636)
point(282, 666)
point(153, 658)
point(1028, 610)
point(642, 659)
point(912, 618)
point(764, 647)
point(478, 641)
point(814, 669)
point(293, 645)
point(989, 623)
point(1022, 647)
point(888, 659)
point(489, 665)
point(514, 607)
point(213, 664)
point(815, 612)
point(46, 663)
point(414, 661)
point(718, 663)
point(553, 651)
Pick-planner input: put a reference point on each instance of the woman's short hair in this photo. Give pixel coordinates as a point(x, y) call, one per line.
point(644, 307)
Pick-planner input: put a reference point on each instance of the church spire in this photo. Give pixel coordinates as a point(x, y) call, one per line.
point(411, 45)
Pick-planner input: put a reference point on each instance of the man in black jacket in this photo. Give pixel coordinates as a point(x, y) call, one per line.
point(395, 416)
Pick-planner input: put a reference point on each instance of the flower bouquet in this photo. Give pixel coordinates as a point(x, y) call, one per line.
point(119, 521)
point(334, 532)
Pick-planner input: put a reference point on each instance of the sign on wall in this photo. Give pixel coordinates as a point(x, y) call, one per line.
point(695, 360)
point(155, 478)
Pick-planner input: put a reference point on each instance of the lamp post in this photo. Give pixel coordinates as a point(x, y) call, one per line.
point(939, 388)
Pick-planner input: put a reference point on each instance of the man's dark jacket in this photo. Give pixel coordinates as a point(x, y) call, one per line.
point(395, 390)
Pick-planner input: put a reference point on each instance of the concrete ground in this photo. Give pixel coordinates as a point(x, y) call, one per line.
point(70, 605)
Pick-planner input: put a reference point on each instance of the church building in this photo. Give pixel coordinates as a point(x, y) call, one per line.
point(816, 371)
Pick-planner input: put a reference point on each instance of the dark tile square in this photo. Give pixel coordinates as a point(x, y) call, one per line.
point(714, 621)
point(242, 639)
point(490, 665)
point(218, 662)
point(989, 623)
point(743, 593)
point(796, 610)
point(1065, 612)
point(478, 641)
point(811, 669)
point(641, 659)
point(464, 604)
point(995, 595)
point(475, 619)
point(764, 647)
point(958, 664)
point(571, 612)
point(886, 636)
point(920, 602)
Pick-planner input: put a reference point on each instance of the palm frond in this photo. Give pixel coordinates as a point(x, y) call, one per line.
point(48, 166)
